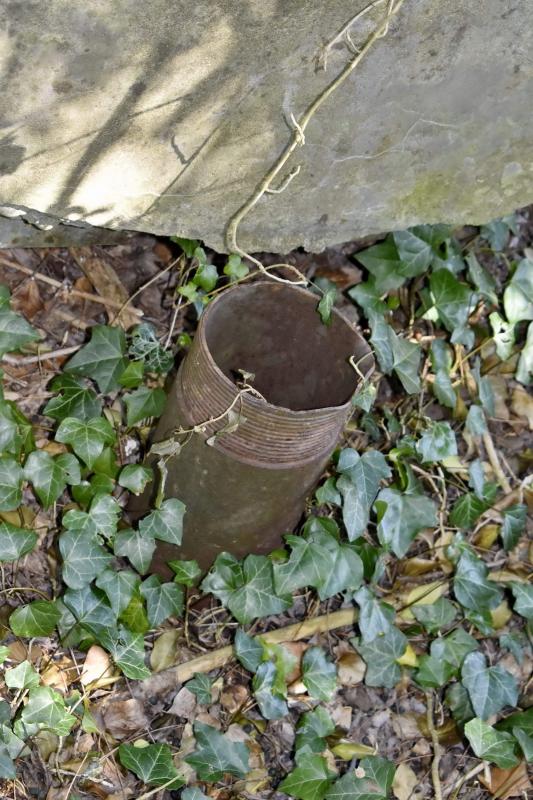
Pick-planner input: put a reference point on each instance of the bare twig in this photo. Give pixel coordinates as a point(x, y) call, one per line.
point(63, 351)
point(435, 777)
point(495, 462)
point(456, 788)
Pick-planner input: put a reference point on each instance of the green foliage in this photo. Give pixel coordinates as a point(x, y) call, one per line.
point(437, 443)
point(87, 438)
point(359, 484)
point(401, 516)
point(165, 523)
point(15, 542)
point(270, 700)
point(491, 745)
point(375, 785)
point(145, 347)
point(163, 600)
point(15, 332)
point(201, 686)
point(435, 616)
point(10, 484)
point(34, 619)
point(248, 650)
point(380, 656)
point(102, 359)
point(49, 475)
point(319, 674)
point(144, 403)
point(216, 754)
point(471, 586)
point(135, 477)
point(489, 688)
point(151, 763)
point(186, 572)
point(75, 399)
point(310, 780)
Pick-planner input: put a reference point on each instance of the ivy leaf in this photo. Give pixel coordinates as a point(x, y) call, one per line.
point(518, 296)
point(193, 793)
point(126, 648)
point(46, 710)
point(443, 389)
point(514, 523)
point(523, 594)
point(105, 513)
point(311, 731)
point(451, 299)
point(163, 600)
point(375, 617)
point(457, 700)
point(10, 484)
point(247, 650)
point(491, 745)
point(368, 296)
point(135, 477)
point(346, 573)
point(433, 672)
point(102, 358)
point(235, 269)
point(133, 375)
point(406, 361)
point(489, 688)
point(453, 648)
point(165, 523)
point(79, 521)
point(23, 676)
point(91, 610)
point(521, 726)
point(401, 516)
point(87, 438)
point(375, 785)
point(15, 542)
point(137, 546)
point(471, 586)
point(8, 770)
point(309, 564)
point(216, 755)
point(466, 510)
point(414, 250)
point(152, 764)
point(16, 431)
point(319, 674)
point(185, 572)
point(359, 485)
point(83, 558)
point(310, 780)
point(435, 616)
point(475, 423)
point(144, 403)
point(145, 347)
point(482, 279)
point(326, 304)
point(74, 400)
point(271, 705)
point(119, 587)
point(437, 443)
point(46, 475)
point(15, 332)
point(497, 232)
point(200, 685)
point(247, 589)
point(524, 372)
point(380, 656)
point(134, 615)
point(34, 619)
point(383, 262)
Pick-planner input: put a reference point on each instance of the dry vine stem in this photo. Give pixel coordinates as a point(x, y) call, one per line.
point(298, 139)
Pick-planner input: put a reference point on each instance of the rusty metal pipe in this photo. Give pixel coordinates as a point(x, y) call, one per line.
point(247, 488)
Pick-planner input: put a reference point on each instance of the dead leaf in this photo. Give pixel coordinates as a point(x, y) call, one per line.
point(164, 651)
point(499, 390)
point(342, 716)
point(507, 782)
point(183, 704)
point(124, 717)
point(234, 697)
point(487, 535)
point(350, 669)
point(97, 667)
point(404, 783)
point(27, 300)
point(522, 405)
point(107, 283)
point(60, 674)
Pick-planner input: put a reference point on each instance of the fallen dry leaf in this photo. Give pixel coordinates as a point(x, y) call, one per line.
point(404, 783)
point(124, 717)
point(183, 704)
point(522, 405)
point(508, 782)
point(27, 299)
point(234, 697)
point(350, 669)
point(97, 667)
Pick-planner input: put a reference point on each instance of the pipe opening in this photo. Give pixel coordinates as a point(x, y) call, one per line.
point(275, 332)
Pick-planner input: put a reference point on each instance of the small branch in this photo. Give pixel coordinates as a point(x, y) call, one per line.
point(435, 777)
point(456, 788)
point(63, 351)
point(495, 463)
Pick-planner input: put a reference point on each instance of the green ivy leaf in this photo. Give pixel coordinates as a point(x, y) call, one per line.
point(16, 431)
point(119, 587)
point(437, 443)
point(133, 375)
point(383, 262)
point(459, 704)
point(489, 688)
point(10, 484)
point(482, 279)
point(523, 594)
point(518, 296)
point(163, 600)
point(102, 358)
point(359, 485)
point(87, 438)
point(216, 755)
point(451, 298)
point(466, 510)
point(235, 269)
point(475, 423)
point(319, 674)
point(134, 615)
point(310, 780)
point(491, 745)
point(380, 656)
point(367, 295)
point(47, 476)
point(193, 794)
point(514, 523)
point(34, 619)
point(247, 589)
point(15, 542)
point(126, 648)
point(406, 362)
point(105, 513)
point(435, 616)
point(75, 400)
point(23, 676)
point(83, 558)
point(471, 586)
point(145, 347)
point(326, 304)
point(375, 617)
point(310, 564)
point(247, 650)
point(271, 704)
point(185, 572)
point(15, 332)
point(144, 403)
point(152, 764)
point(135, 477)
point(401, 516)
point(375, 785)
point(524, 372)
point(311, 731)
point(453, 648)
point(165, 523)
point(46, 710)
point(443, 389)
point(521, 726)
point(433, 672)
point(137, 546)
point(414, 249)
point(201, 685)
point(91, 610)
point(497, 232)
